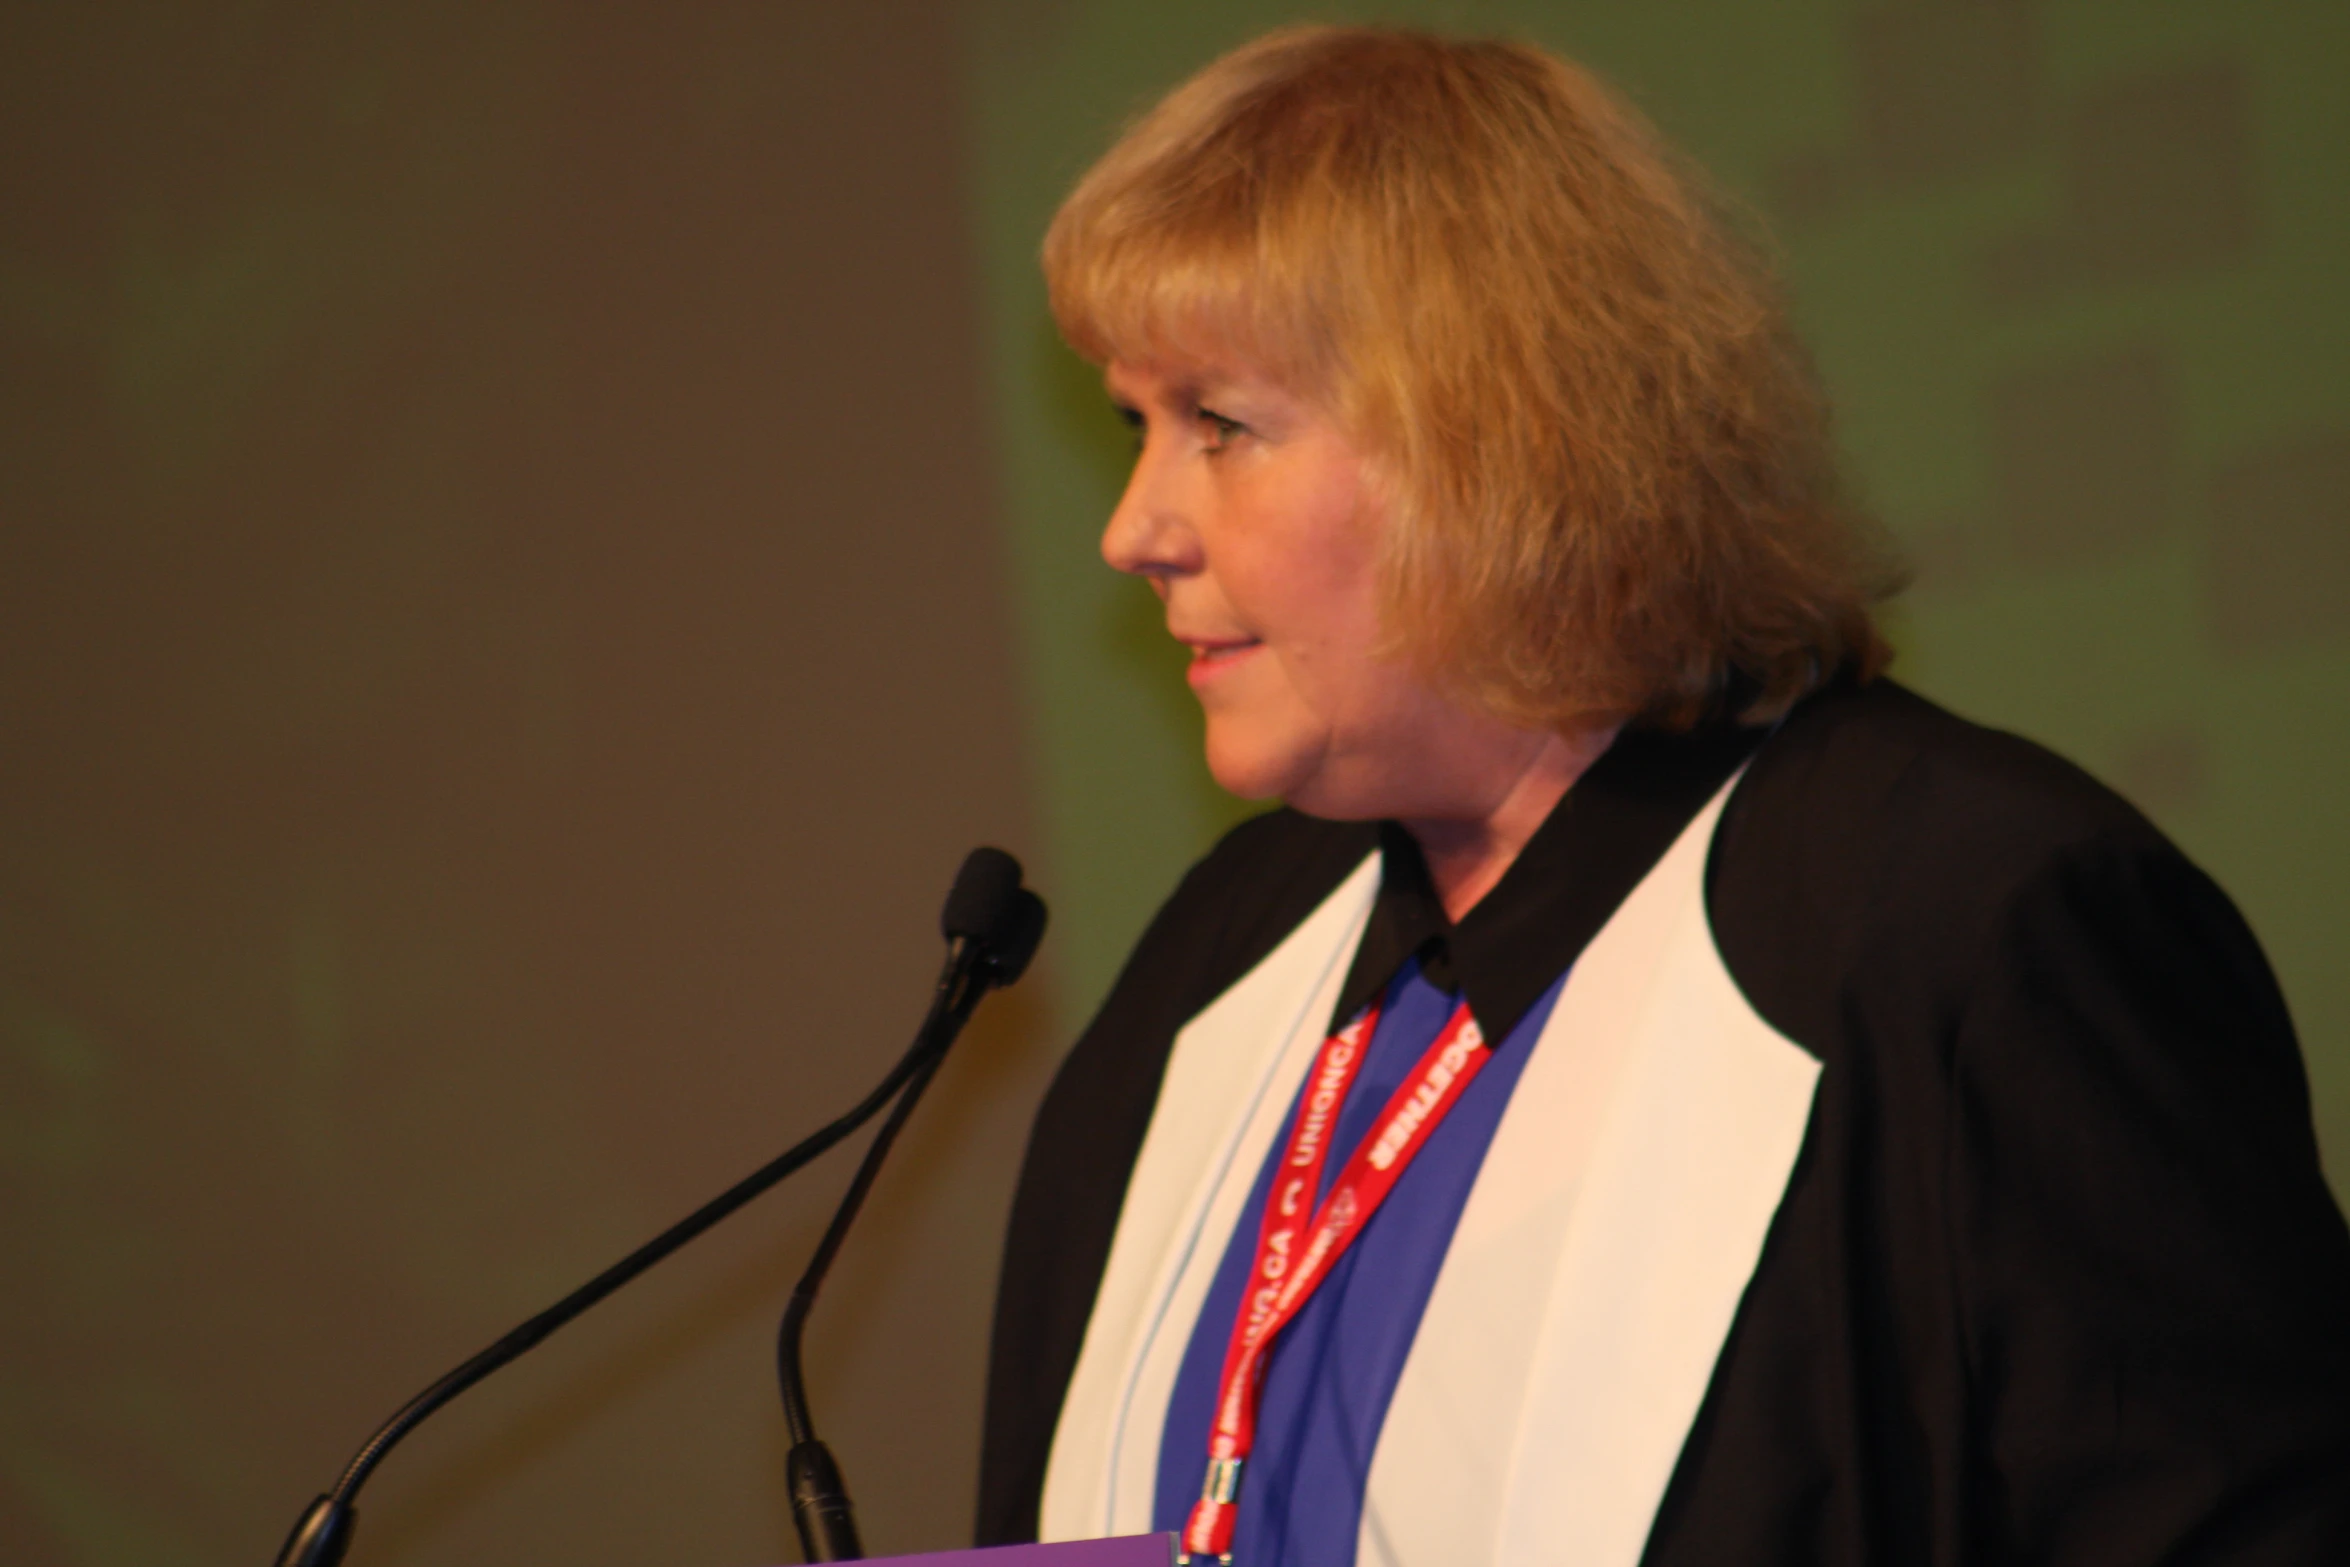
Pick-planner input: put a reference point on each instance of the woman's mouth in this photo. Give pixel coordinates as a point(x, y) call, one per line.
point(1209, 659)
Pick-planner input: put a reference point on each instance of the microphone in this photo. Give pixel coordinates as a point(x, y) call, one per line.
point(992, 925)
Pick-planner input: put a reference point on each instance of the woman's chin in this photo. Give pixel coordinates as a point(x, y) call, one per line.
point(1299, 778)
point(1246, 779)
point(1255, 766)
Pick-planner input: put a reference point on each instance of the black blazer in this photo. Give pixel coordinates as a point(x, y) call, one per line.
point(2056, 1276)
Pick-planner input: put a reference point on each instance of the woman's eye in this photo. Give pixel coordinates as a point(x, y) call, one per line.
point(1220, 429)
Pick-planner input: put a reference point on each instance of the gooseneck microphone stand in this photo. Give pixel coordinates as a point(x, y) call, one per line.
point(991, 935)
point(986, 916)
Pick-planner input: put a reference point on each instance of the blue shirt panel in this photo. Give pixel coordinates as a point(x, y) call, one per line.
point(1335, 1367)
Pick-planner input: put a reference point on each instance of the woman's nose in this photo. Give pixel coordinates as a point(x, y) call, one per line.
point(1149, 534)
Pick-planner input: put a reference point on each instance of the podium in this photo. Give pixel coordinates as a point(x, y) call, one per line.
point(1129, 1550)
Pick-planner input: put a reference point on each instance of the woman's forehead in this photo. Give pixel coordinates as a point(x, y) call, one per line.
point(1144, 374)
point(1200, 373)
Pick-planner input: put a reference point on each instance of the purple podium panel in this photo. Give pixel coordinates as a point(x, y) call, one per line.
point(1128, 1550)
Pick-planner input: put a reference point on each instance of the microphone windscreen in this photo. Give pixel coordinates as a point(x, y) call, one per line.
point(981, 902)
point(1023, 929)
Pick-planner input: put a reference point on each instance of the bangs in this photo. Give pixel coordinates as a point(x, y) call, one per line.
point(1197, 287)
point(1205, 237)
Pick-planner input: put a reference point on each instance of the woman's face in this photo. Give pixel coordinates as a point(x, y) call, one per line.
point(1256, 521)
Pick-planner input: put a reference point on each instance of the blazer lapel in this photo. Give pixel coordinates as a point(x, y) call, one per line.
point(1593, 1275)
point(1229, 1081)
point(1700, 1136)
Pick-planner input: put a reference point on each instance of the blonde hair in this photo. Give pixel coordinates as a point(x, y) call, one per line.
point(1610, 482)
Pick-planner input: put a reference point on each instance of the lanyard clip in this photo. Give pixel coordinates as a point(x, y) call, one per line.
point(1210, 1525)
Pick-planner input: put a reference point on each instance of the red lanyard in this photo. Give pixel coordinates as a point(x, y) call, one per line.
point(1288, 1270)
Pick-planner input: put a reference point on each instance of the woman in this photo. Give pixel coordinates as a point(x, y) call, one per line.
point(1657, 1092)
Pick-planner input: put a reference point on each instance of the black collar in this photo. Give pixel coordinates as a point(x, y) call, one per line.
point(1605, 834)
